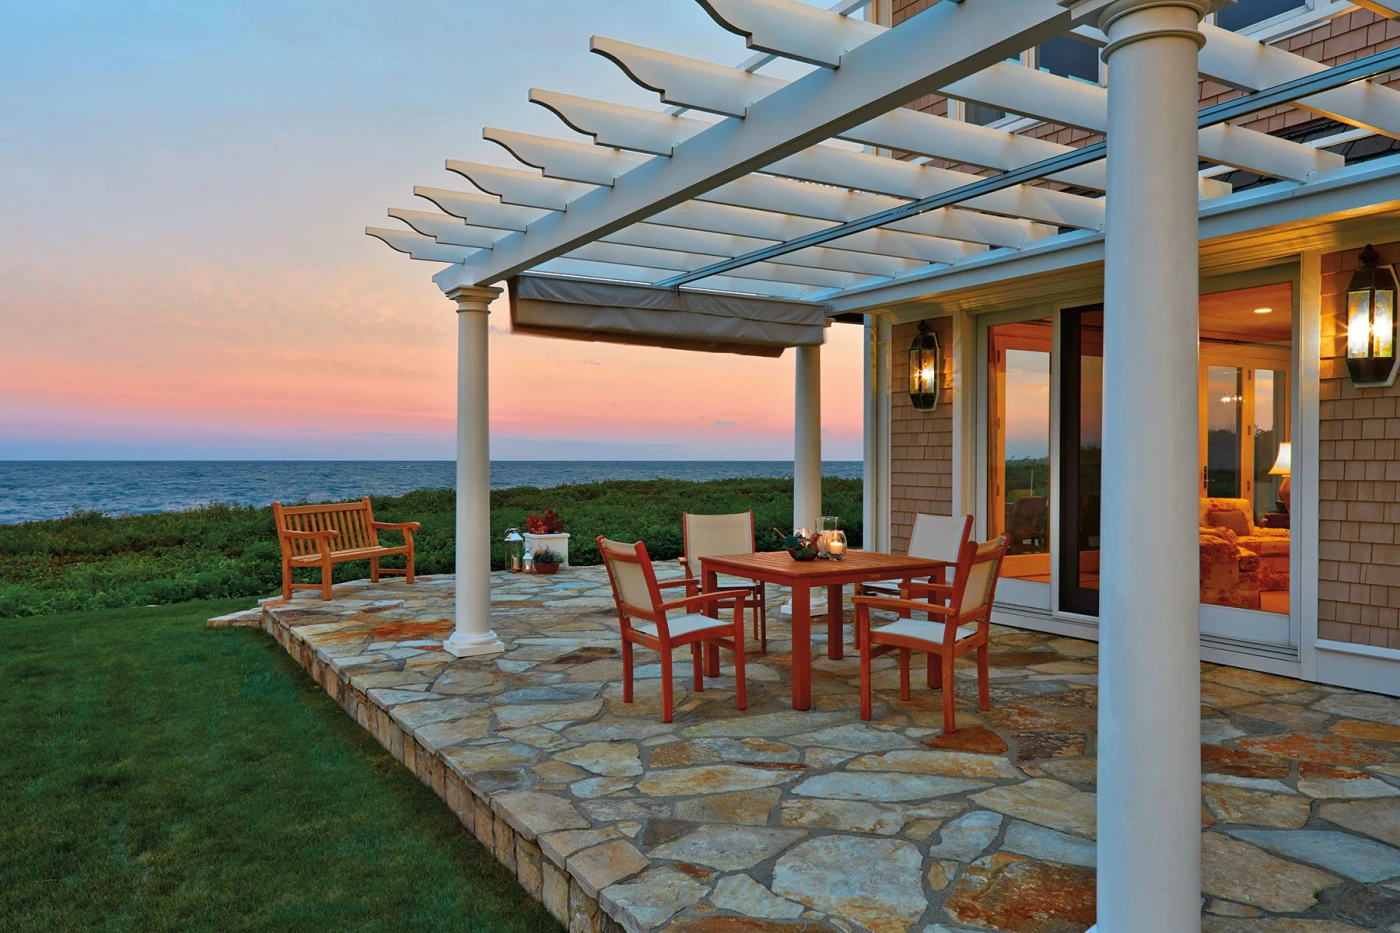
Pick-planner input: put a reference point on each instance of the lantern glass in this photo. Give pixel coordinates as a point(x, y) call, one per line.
point(1383, 324)
point(924, 369)
point(1359, 324)
point(515, 551)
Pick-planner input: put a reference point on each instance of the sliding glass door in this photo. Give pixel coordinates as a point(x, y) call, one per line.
point(1081, 450)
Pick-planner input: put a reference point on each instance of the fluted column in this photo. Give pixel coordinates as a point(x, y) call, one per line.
point(473, 634)
point(1149, 761)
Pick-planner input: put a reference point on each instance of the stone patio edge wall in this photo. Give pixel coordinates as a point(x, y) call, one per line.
point(542, 874)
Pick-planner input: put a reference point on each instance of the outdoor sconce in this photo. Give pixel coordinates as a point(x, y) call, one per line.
point(925, 367)
point(1371, 323)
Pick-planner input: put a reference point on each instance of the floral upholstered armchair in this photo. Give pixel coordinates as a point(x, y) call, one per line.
point(1238, 559)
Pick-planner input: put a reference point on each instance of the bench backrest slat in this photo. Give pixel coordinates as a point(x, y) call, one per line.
point(352, 520)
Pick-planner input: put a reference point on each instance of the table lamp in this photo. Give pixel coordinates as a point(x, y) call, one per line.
point(1283, 466)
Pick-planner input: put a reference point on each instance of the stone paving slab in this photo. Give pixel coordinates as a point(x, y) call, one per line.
point(777, 821)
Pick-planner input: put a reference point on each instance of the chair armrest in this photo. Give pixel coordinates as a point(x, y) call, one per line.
point(705, 599)
point(687, 582)
point(395, 526)
point(913, 605)
point(912, 587)
point(309, 535)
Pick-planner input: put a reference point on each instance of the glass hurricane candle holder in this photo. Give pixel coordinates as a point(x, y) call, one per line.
point(826, 526)
point(836, 544)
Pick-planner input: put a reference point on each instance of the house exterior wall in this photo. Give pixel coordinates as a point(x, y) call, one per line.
point(921, 443)
point(1358, 482)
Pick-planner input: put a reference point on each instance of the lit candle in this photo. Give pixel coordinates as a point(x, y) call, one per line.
point(837, 548)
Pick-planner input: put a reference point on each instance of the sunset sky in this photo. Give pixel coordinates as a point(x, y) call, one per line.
point(183, 268)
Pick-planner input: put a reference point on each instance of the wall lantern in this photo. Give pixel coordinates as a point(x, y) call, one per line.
point(925, 368)
point(1371, 322)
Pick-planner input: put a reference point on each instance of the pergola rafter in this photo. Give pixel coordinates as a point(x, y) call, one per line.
point(734, 219)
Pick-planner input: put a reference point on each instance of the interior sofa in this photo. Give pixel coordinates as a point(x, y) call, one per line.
point(1239, 560)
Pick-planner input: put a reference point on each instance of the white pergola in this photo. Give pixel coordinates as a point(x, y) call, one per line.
point(786, 190)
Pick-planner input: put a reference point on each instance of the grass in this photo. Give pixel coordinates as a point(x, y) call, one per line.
point(94, 561)
point(159, 775)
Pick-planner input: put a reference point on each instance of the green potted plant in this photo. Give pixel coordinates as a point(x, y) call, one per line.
point(547, 561)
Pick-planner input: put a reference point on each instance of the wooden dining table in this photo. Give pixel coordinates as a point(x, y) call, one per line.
point(802, 577)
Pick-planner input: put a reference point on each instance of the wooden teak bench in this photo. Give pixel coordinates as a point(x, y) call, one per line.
point(333, 533)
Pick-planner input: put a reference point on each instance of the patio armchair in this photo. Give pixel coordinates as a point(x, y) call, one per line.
point(934, 537)
point(639, 600)
point(959, 622)
point(714, 535)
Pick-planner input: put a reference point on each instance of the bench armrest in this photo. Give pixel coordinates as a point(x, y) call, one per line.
point(395, 526)
point(309, 535)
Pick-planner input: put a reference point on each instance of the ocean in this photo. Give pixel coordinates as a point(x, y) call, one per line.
point(31, 490)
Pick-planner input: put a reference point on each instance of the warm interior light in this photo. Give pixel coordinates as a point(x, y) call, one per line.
point(1283, 466)
point(927, 375)
point(1263, 310)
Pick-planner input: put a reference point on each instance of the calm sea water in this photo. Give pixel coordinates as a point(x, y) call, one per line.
point(38, 489)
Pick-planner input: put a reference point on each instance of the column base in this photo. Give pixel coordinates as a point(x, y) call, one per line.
point(471, 646)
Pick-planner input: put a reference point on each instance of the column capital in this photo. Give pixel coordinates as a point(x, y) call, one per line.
point(1104, 14)
point(473, 297)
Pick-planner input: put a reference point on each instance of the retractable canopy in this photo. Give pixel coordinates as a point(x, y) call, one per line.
point(827, 187)
point(612, 312)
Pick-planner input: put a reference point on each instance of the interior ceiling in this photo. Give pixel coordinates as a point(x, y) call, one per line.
point(1232, 315)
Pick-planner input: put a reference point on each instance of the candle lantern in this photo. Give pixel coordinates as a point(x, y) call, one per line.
point(515, 551)
point(1371, 323)
point(924, 369)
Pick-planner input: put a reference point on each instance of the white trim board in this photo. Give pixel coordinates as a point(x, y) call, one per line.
point(1360, 667)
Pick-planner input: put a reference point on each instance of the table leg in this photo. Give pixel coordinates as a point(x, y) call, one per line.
point(835, 621)
point(801, 646)
point(711, 584)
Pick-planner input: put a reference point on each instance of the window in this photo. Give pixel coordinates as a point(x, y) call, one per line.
point(1019, 413)
point(1068, 58)
point(1246, 13)
point(981, 115)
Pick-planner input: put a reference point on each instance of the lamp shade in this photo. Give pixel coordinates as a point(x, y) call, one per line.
point(1371, 322)
point(924, 369)
point(1283, 466)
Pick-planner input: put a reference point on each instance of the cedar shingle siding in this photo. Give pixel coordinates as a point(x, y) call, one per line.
point(1358, 479)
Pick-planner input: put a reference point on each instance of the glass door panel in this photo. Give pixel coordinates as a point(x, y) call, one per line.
point(1081, 448)
point(1019, 450)
point(1224, 426)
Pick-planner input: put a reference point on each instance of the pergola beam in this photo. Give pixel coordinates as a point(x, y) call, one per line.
point(935, 48)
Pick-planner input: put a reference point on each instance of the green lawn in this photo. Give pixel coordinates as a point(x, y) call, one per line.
point(160, 775)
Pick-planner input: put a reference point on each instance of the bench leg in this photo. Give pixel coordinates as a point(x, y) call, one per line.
point(408, 577)
point(326, 578)
point(286, 579)
point(374, 570)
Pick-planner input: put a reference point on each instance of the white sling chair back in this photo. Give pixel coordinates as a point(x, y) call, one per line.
point(716, 535)
point(934, 537)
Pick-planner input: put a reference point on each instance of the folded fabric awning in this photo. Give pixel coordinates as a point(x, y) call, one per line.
point(576, 309)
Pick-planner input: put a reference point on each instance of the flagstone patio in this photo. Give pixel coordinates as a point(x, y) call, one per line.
point(774, 820)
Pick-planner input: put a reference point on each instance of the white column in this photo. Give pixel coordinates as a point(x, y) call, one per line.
point(807, 452)
point(473, 635)
point(807, 438)
point(1149, 782)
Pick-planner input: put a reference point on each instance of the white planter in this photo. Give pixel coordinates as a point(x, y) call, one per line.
point(557, 543)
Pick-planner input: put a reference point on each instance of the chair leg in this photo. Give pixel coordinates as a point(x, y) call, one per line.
point(950, 723)
point(741, 697)
point(374, 570)
point(626, 671)
point(763, 620)
point(984, 680)
point(904, 658)
point(695, 649)
point(865, 678)
point(667, 688)
point(935, 670)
